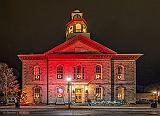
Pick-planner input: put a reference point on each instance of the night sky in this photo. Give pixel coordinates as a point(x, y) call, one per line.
point(125, 26)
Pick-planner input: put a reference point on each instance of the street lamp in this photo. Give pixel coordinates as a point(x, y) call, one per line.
point(69, 83)
point(155, 93)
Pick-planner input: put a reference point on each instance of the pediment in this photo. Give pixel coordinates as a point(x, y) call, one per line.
point(80, 44)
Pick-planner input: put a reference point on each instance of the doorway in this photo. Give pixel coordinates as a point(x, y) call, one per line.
point(78, 95)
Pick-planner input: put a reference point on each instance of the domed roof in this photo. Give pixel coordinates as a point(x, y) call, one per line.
point(76, 11)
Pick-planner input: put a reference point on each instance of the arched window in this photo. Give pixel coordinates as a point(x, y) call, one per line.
point(98, 71)
point(79, 72)
point(84, 29)
point(120, 93)
point(70, 29)
point(120, 72)
point(37, 95)
point(60, 92)
point(78, 27)
point(60, 72)
point(119, 69)
point(99, 93)
point(37, 73)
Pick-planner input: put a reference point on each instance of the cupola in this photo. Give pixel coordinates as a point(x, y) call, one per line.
point(76, 26)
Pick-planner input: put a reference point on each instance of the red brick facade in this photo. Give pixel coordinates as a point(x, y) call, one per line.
point(97, 72)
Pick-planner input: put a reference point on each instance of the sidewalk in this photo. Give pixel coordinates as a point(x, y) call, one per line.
point(138, 107)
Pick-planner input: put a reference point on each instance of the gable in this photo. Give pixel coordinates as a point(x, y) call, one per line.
point(80, 44)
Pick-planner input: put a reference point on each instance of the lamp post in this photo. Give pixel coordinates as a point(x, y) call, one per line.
point(69, 83)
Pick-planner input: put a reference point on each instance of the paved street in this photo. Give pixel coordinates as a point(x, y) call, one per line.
point(81, 112)
point(54, 110)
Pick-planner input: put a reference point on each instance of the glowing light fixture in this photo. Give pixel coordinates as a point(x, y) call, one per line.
point(60, 90)
point(154, 92)
point(69, 79)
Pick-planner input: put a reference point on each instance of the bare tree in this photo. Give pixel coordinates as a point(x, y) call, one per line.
point(8, 83)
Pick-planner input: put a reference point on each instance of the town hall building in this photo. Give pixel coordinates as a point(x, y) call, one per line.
point(77, 70)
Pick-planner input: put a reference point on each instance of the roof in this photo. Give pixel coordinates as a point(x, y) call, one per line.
point(91, 44)
point(76, 19)
point(93, 50)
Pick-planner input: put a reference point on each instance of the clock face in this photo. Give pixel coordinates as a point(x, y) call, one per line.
point(76, 16)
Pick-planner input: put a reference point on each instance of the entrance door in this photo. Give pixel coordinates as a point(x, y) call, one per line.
point(78, 95)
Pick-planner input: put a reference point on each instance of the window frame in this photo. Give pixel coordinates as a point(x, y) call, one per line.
point(78, 70)
point(120, 72)
point(120, 93)
point(99, 92)
point(37, 72)
point(98, 71)
point(36, 93)
point(78, 28)
point(59, 71)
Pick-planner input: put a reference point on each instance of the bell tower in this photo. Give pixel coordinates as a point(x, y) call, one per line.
point(77, 25)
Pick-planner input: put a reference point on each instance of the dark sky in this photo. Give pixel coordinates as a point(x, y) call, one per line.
point(125, 26)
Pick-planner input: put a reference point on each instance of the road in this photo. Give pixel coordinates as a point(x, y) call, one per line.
point(80, 112)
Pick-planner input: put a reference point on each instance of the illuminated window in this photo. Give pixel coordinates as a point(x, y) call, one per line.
point(99, 93)
point(120, 72)
point(120, 94)
point(37, 94)
point(98, 71)
point(37, 73)
point(59, 72)
point(70, 30)
point(78, 28)
point(60, 92)
point(78, 72)
point(84, 29)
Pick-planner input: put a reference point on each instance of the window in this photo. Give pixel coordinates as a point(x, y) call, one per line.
point(71, 29)
point(78, 27)
point(59, 72)
point(84, 29)
point(37, 73)
point(60, 92)
point(36, 93)
point(120, 72)
point(98, 72)
point(120, 94)
point(99, 92)
point(78, 76)
point(79, 72)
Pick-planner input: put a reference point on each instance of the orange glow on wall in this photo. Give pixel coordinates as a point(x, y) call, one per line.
point(26, 95)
